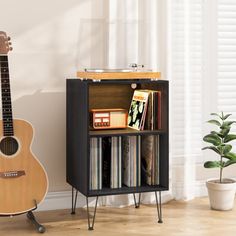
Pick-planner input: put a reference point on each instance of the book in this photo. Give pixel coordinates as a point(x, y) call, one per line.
point(153, 113)
point(157, 111)
point(95, 182)
point(112, 156)
point(150, 159)
point(116, 156)
point(137, 111)
point(149, 121)
point(132, 161)
point(106, 166)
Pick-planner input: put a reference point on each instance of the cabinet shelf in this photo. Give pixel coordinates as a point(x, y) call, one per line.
point(123, 132)
point(126, 190)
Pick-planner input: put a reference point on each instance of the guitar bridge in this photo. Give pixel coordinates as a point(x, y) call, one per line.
point(11, 174)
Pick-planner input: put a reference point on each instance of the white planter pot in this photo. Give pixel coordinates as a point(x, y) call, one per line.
point(221, 195)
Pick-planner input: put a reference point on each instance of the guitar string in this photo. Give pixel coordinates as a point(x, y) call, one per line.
point(8, 146)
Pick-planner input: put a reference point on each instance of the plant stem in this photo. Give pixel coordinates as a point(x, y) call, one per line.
point(221, 169)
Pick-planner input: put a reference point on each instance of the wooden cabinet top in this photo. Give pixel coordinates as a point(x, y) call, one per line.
point(118, 75)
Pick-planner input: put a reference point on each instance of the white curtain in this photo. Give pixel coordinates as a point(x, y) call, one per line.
point(136, 35)
point(202, 73)
point(192, 43)
point(129, 31)
point(186, 75)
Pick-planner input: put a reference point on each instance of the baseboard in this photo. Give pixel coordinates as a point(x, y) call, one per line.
point(62, 200)
point(59, 200)
point(182, 192)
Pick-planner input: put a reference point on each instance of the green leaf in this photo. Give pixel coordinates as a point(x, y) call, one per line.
point(215, 114)
point(212, 148)
point(224, 126)
point(228, 123)
point(215, 122)
point(227, 148)
point(212, 164)
point(229, 137)
point(226, 116)
point(224, 131)
point(219, 134)
point(230, 155)
point(212, 138)
point(230, 162)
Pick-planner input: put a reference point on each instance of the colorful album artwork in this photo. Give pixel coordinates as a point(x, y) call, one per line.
point(137, 111)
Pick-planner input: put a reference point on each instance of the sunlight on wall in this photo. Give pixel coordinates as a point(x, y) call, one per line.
point(44, 37)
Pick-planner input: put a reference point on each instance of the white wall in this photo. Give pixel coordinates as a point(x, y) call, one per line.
point(45, 36)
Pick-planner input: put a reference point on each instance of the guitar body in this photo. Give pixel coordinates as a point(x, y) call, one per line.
point(23, 180)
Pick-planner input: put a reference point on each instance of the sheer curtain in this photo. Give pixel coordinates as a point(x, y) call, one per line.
point(166, 36)
point(192, 43)
point(136, 35)
point(127, 31)
point(202, 73)
point(185, 69)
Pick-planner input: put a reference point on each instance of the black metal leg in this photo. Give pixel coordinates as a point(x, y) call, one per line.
point(90, 226)
point(74, 201)
point(40, 228)
point(137, 205)
point(159, 210)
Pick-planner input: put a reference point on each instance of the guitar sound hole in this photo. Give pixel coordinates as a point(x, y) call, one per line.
point(9, 146)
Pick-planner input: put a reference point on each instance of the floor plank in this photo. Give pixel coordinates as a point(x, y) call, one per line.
point(180, 218)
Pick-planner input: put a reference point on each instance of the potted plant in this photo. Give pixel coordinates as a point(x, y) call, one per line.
point(221, 191)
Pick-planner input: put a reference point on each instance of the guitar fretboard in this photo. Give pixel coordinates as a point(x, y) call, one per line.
point(6, 97)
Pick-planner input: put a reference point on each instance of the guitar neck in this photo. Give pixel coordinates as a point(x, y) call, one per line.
point(6, 97)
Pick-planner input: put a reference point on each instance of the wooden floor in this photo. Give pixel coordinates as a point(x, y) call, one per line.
point(180, 218)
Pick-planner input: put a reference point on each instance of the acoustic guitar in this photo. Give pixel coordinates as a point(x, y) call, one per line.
point(23, 180)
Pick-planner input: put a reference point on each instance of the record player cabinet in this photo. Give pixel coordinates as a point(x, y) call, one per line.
point(85, 94)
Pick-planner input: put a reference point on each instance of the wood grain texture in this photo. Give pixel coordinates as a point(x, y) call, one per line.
point(18, 194)
point(193, 218)
point(118, 75)
point(109, 96)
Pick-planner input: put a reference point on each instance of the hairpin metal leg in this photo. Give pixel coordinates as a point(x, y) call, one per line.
point(159, 211)
point(137, 205)
point(74, 201)
point(40, 228)
point(90, 226)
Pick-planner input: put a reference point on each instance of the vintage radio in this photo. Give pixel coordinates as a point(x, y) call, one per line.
point(108, 118)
